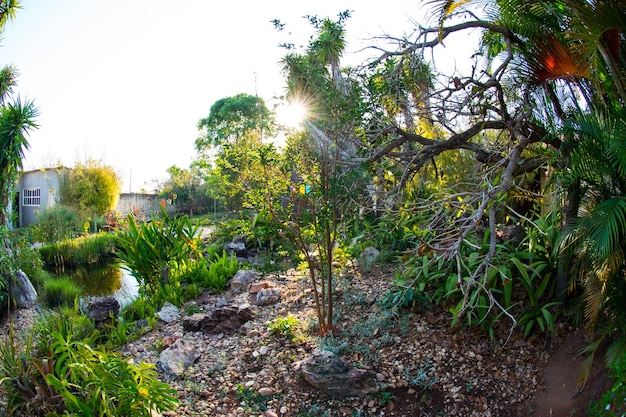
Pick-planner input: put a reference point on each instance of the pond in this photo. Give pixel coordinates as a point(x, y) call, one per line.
point(105, 280)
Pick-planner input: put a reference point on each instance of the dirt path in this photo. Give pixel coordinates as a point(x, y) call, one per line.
point(558, 394)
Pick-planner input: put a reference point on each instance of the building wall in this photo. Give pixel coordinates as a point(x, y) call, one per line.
point(37, 191)
point(138, 203)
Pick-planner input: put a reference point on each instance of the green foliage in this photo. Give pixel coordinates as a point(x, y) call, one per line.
point(147, 248)
point(139, 308)
point(520, 281)
point(231, 118)
point(94, 382)
point(16, 119)
point(186, 189)
point(613, 402)
point(90, 188)
point(57, 223)
point(60, 370)
point(59, 292)
point(86, 250)
point(25, 256)
point(285, 326)
point(211, 271)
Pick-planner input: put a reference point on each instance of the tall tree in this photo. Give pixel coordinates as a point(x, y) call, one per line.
point(229, 144)
point(16, 119)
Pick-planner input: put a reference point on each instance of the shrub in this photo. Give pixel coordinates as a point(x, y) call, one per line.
point(59, 292)
point(147, 248)
point(58, 371)
point(57, 223)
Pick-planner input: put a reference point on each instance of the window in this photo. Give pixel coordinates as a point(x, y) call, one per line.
point(31, 197)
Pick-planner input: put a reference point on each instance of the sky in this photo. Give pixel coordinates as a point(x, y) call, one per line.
point(126, 81)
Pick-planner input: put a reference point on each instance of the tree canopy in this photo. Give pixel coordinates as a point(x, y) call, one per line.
point(91, 188)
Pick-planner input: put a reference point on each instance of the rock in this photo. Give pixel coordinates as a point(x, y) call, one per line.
point(242, 279)
point(193, 323)
point(222, 319)
point(327, 372)
point(368, 257)
point(237, 248)
point(268, 296)
point(265, 391)
point(169, 313)
point(175, 359)
point(101, 309)
point(255, 287)
point(22, 291)
point(270, 414)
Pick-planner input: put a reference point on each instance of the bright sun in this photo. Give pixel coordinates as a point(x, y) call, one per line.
point(291, 115)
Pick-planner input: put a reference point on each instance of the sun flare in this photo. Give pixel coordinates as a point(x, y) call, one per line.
point(292, 115)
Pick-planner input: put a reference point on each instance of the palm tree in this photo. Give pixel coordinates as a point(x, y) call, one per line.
point(16, 118)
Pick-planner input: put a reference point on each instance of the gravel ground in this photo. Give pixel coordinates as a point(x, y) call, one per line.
point(424, 367)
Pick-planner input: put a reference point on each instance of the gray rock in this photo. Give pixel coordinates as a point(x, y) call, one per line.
point(268, 296)
point(237, 248)
point(22, 291)
point(175, 359)
point(330, 374)
point(101, 309)
point(368, 257)
point(239, 283)
point(169, 313)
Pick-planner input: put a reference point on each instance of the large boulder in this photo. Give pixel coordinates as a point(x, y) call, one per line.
point(330, 374)
point(22, 291)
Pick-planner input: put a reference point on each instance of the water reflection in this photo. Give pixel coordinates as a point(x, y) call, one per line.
point(105, 280)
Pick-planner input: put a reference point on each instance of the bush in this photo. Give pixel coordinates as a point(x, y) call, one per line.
point(147, 248)
point(57, 223)
point(59, 292)
point(58, 371)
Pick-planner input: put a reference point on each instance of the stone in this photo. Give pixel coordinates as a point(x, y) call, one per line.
point(175, 359)
point(242, 279)
point(255, 287)
point(268, 296)
point(23, 292)
point(327, 372)
point(265, 391)
point(368, 257)
point(168, 313)
point(237, 248)
point(223, 319)
point(193, 323)
point(100, 309)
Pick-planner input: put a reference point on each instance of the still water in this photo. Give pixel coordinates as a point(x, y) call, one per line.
point(106, 280)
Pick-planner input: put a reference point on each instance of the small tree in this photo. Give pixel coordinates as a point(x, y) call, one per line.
point(326, 177)
point(91, 188)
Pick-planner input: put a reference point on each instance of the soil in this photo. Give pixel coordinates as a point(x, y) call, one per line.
point(425, 367)
point(559, 395)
